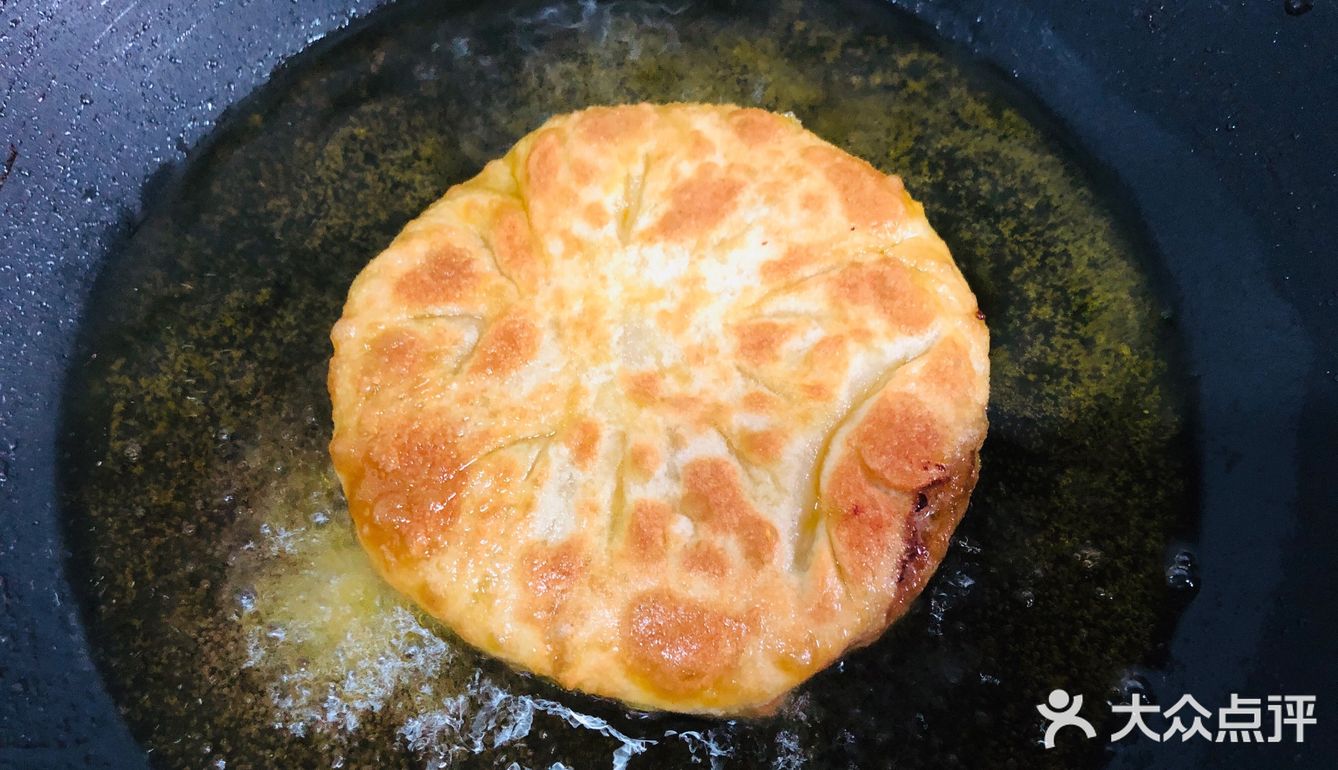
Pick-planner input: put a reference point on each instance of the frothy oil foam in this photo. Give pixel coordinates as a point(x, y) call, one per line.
point(334, 647)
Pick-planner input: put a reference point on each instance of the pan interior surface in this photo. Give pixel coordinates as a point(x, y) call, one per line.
point(229, 605)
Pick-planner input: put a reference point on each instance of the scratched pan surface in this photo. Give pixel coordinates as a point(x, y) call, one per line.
point(233, 619)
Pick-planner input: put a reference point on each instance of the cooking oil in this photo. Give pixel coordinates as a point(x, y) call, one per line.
point(230, 608)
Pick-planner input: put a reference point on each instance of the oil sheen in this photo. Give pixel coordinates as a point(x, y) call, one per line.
point(233, 613)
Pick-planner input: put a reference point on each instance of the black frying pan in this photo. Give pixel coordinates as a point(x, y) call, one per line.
point(1206, 134)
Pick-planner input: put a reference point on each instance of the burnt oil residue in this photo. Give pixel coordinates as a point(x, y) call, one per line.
point(231, 610)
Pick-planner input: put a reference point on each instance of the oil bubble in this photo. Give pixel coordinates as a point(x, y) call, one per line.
point(1298, 7)
point(1182, 574)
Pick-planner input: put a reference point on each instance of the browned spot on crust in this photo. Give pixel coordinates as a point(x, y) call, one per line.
point(596, 215)
point(887, 288)
point(672, 321)
point(830, 353)
point(816, 391)
point(690, 409)
point(397, 351)
point(506, 346)
point(789, 265)
point(829, 598)
point(763, 446)
point(679, 644)
point(643, 388)
point(704, 558)
point(551, 194)
point(901, 442)
point(592, 325)
point(605, 125)
point(868, 197)
point(408, 479)
point(570, 242)
point(447, 275)
point(513, 243)
point(700, 145)
point(648, 532)
point(813, 203)
point(582, 172)
point(645, 459)
point(698, 204)
point(867, 525)
point(947, 369)
point(713, 495)
point(583, 442)
point(754, 127)
point(544, 164)
point(759, 342)
point(760, 402)
point(550, 573)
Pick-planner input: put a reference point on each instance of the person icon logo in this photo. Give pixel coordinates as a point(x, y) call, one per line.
point(1062, 712)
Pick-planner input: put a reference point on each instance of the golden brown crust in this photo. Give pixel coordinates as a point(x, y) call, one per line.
point(672, 404)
